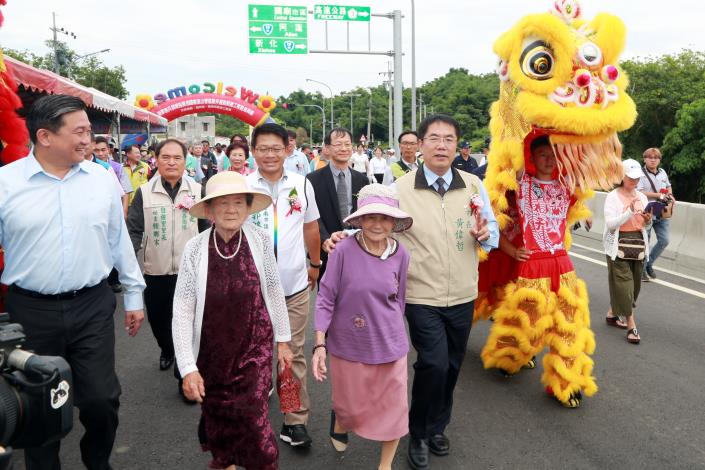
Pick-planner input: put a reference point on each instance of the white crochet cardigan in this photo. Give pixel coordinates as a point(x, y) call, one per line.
point(615, 216)
point(190, 294)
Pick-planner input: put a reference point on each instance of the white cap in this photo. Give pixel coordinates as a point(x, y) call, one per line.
point(632, 168)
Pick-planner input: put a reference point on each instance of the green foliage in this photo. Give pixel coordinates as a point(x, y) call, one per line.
point(662, 86)
point(685, 147)
point(89, 72)
point(226, 126)
point(464, 96)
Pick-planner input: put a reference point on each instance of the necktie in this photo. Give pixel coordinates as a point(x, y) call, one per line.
point(441, 188)
point(342, 191)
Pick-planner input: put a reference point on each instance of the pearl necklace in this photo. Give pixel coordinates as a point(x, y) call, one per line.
point(215, 242)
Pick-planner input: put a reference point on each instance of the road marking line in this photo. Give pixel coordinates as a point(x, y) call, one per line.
point(667, 271)
point(655, 281)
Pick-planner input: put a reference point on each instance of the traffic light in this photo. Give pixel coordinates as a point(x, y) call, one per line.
point(288, 106)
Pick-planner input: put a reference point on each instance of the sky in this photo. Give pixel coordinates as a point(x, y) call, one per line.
point(162, 45)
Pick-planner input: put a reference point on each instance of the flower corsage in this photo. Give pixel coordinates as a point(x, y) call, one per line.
point(186, 203)
point(476, 203)
point(294, 203)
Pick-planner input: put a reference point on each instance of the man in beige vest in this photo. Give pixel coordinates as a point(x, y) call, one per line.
point(452, 215)
point(159, 222)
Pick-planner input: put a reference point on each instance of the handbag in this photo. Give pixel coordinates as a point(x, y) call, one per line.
point(631, 249)
point(289, 390)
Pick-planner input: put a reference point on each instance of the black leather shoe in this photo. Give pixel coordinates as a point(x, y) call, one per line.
point(439, 444)
point(165, 362)
point(417, 455)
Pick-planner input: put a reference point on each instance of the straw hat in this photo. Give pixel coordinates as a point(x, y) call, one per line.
point(225, 184)
point(379, 199)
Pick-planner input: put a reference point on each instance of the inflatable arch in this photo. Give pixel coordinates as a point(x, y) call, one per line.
point(249, 107)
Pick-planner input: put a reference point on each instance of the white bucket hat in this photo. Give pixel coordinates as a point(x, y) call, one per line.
point(379, 199)
point(632, 168)
point(225, 184)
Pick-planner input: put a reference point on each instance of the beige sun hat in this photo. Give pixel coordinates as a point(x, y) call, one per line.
point(379, 199)
point(225, 184)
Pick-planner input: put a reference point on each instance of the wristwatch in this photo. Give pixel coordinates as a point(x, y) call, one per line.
point(317, 266)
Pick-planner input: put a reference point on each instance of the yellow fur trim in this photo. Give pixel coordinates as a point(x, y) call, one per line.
point(610, 36)
point(529, 317)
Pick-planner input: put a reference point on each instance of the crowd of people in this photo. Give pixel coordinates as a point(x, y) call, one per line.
point(232, 243)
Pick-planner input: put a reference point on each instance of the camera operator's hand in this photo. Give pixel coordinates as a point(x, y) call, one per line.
point(133, 321)
point(193, 387)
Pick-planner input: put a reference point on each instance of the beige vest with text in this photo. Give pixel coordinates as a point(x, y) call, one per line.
point(166, 228)
point(443, 266)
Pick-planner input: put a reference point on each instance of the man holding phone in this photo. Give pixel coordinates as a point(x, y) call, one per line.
point(656, 187)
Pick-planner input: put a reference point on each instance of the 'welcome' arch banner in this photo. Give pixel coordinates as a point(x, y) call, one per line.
point(211, 103)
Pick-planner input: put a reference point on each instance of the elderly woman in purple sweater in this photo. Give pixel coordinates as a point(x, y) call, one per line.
point(360, 306)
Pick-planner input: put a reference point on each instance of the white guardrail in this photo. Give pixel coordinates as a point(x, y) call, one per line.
point(686, 248)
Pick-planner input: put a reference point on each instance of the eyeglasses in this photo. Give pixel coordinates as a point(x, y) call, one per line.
point(408, 144)
point(435, 140)
point(342, 146)
point(275, 149)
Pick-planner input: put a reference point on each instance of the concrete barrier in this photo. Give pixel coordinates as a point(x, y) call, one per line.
point(686, 248)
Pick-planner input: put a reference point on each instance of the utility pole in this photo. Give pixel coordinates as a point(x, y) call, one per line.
point(55, 44)
point(369, 117)
point(55, 41)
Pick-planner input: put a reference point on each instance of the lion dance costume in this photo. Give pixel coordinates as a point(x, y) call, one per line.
point(13, 133)
point(558, 78)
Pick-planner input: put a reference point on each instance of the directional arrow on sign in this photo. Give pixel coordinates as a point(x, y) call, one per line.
point(254, 12)
point(364, 14)
point(300, 46)
point(255, 29)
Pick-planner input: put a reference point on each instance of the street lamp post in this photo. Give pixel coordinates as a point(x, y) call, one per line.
point(323, 118)
point(80, 57)
point(352, 95)
point(331, 98)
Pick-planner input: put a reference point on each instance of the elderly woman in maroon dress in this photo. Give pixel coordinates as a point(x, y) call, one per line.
point(229, 309)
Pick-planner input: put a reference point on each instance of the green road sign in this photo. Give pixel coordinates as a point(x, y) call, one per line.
point(277, 29)
point(278, 46)
point(341, 13)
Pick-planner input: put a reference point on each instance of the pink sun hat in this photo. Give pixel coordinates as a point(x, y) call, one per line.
point(379, 199)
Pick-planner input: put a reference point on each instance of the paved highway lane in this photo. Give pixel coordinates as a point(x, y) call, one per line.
point(648, 414)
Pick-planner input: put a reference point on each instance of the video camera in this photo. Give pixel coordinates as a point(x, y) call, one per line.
point(36, 399)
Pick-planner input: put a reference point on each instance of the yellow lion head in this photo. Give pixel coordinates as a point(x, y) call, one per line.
point(559, 77)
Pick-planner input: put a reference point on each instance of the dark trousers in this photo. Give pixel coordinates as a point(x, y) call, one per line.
point(440, 337)
point(82, 331)
point(159, 300)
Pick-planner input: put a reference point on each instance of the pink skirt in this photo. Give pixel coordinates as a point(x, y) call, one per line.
point(371, 399)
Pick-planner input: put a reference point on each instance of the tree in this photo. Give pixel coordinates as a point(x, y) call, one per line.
point(660, 86)
point(685, 147)
point(91, 72)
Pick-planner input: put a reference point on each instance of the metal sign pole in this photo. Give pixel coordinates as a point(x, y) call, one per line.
point(398, 87)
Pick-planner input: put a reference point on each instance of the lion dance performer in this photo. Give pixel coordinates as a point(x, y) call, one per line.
point(560, 90)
